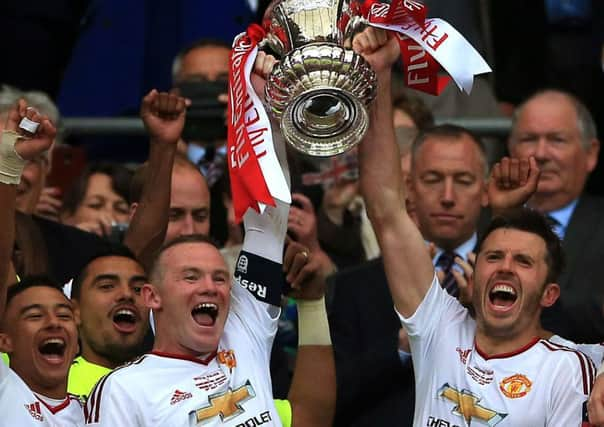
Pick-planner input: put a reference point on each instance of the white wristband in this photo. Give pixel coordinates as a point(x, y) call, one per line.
point(313, 327)
point(11, 163)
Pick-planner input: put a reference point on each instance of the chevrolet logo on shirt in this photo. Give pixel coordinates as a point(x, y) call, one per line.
point(468, 408)
point(225, 405)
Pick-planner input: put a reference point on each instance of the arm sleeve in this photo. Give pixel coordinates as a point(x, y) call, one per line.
point(109, 406)
point(570, 391)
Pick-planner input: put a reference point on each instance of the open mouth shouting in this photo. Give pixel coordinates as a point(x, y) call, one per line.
point(125, 319)
point(502, 297)
point(205, 314)
point(52, 350)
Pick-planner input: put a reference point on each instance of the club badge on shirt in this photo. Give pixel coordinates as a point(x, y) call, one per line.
point(515, 386)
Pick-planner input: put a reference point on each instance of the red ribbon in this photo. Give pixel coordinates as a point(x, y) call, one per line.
point(248, 186)
point(421, 69)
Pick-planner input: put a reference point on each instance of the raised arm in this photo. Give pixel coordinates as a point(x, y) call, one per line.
point(164, 118)
point(406, 261)
point(16, 147)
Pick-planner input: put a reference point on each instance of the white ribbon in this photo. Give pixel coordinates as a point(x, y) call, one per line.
point(452, 51)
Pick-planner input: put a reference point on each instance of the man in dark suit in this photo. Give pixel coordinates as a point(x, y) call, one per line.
point(559, 131)
point(374, 379)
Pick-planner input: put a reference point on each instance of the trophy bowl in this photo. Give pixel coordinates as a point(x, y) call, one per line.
point(320, 91)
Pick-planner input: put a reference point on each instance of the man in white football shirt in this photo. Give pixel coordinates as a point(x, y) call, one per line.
point(210, 362)
point(37, 324)
point(491, 370)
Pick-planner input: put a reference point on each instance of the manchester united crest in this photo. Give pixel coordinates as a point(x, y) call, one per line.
point(515, 386)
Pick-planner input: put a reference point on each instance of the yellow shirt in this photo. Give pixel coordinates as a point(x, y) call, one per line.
point(83, 376)
point(284, 410)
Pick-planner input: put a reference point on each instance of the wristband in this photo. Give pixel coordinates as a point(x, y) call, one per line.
point(313, 328)
point(11, 163)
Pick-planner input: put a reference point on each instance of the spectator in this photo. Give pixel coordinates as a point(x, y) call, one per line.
point(560, 132)
point(200, 71)
point(98, 200)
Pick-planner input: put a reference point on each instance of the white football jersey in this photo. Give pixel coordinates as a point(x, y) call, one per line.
point(230, 388)
point(541, 384)
point(19, 406)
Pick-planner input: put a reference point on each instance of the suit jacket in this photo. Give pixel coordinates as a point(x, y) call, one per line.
point(373, 387)
point(578, 313)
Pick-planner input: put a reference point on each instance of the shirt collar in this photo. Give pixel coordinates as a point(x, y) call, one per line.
point(462, 250)
point(195, 152)
point(563, 215)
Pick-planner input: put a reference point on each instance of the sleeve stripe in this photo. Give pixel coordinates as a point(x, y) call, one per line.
point(93, 404)
point(95, 401)
point(586, 364)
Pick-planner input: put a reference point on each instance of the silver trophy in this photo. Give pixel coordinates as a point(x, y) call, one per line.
point(320, 90)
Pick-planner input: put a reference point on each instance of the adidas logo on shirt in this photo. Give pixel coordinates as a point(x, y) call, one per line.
point(179, 396)
point(35, 411)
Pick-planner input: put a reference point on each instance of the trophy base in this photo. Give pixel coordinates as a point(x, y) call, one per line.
point(321, 93)
point(324, 122)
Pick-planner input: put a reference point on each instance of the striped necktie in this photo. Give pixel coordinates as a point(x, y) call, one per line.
point(445, 262)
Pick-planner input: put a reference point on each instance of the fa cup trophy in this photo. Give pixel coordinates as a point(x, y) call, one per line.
point(320, 90)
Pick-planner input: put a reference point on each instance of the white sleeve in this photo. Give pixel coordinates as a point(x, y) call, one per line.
point(570, 390)
point(108, 405)
point(436, 312)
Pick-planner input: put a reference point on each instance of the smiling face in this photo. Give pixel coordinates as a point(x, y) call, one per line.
point(510, 284)
point(190, 299)
point(41, 339)
point(114, 319)
point(448, 189)
point(547, 128)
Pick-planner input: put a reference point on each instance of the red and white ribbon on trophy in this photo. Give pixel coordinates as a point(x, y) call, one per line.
point(256, 176)
point(426, 43)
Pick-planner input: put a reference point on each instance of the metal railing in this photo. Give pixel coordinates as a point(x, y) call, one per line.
point(132, 126)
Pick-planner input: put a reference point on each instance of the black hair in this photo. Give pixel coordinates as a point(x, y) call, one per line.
point(114, 249)
point(27, 282)
point(531, 221)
